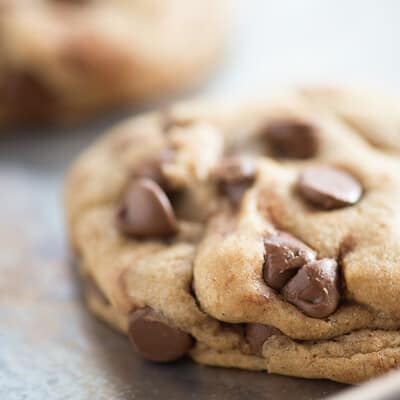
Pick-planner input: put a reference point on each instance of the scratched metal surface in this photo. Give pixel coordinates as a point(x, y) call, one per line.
point(50, 346)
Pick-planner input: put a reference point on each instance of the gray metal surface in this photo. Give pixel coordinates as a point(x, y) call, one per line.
point(384, 388)
point(50, 346)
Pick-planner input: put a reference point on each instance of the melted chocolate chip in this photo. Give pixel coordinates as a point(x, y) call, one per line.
point(236, 191)
point(293, 138)
point(329, 188)
point(257, 334)
point(284, 256)
point(146, 211)
point(152, 169)
point(315, 288)
point(154, 339)
point(27, 97)
point(235, 169)
point(234, 177)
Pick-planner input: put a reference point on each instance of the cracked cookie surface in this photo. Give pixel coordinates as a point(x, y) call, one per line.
point(98, 54)
point(262, 236)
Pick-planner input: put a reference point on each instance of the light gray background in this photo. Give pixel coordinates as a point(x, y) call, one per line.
point(296, 41)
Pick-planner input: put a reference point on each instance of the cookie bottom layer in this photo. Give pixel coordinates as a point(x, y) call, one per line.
point(351, 358)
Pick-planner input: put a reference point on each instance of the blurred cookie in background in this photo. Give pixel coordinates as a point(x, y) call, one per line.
point(63, 61)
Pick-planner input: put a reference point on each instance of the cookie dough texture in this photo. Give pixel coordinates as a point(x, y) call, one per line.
point(207, 280)
point(67, 60)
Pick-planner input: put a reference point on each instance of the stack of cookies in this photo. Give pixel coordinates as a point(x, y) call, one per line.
point(262, 236)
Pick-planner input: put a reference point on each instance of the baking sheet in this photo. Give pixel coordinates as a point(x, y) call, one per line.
point(50, 346)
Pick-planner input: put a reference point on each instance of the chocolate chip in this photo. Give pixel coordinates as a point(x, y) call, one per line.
point(26, 96)
point(152, 169)
point(234, 176)
point(234, 169)
point(284, 256)
point(154, 339)
point(328, 187)
point(146, 211)
point(257, 334)
point(315, 288)
point(293, 138)
point(235, 192)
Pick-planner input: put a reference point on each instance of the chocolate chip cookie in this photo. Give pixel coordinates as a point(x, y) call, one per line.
point(63, 60)
point(262, 236)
